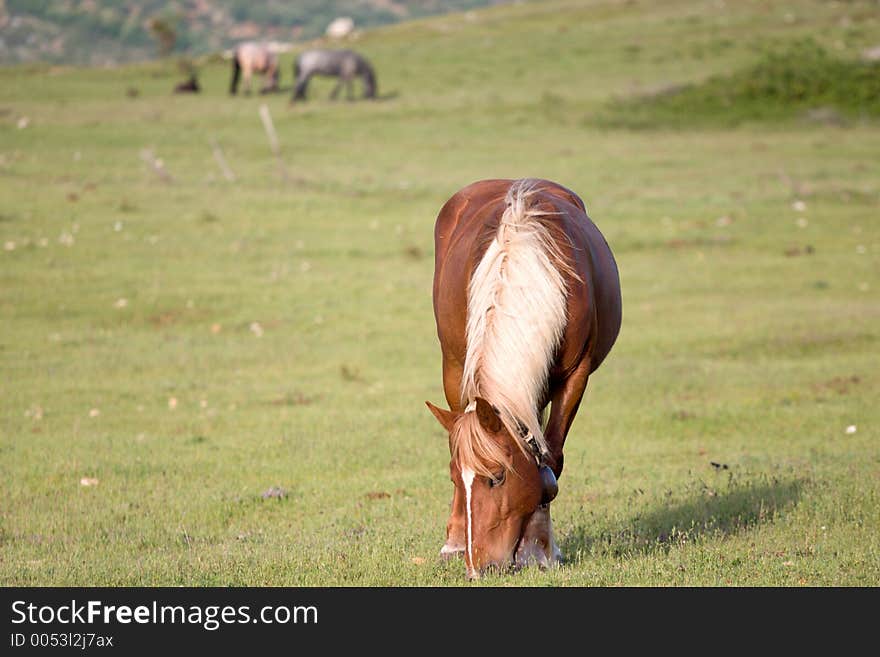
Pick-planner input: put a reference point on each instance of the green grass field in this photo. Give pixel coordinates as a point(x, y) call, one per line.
point(183, 347)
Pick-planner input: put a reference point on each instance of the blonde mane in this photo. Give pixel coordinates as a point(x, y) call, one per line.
point(517, 307)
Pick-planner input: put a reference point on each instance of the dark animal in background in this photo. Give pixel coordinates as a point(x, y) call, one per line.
point(191, 86)
point(343, 64)
point(527, 302)
point(249, 58)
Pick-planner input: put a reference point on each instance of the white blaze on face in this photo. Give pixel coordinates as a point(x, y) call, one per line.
point(467, 477)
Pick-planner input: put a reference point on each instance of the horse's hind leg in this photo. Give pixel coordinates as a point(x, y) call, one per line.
point(302, 83)
point(236, 72)
point(271, 82)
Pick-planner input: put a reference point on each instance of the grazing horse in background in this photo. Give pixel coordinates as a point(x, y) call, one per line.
point(249, 58)
point(527, 303)
point(344, 64)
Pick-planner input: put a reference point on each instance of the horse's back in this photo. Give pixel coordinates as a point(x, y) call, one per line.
point(329, 62)
point(466, 225)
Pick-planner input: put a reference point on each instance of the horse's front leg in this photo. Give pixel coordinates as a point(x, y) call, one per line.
point(564, 403)
point(537, 544)
point(455, 528)
point(335, 92)
point(302, 83)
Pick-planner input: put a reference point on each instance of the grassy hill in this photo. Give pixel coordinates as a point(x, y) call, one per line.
point(175, 350)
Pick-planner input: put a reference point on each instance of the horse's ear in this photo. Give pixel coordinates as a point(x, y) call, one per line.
point(444, 417)
point(488, 416)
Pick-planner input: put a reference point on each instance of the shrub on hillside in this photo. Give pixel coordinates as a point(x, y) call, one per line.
point(783, 83)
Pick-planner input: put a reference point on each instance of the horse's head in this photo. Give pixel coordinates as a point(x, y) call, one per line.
point(501, 482)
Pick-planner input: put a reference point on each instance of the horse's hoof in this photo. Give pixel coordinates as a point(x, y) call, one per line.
point(448, 551)
point(537, 545)
point(535, 553)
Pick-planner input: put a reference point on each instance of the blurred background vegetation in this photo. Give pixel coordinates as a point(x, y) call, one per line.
point(107, 32)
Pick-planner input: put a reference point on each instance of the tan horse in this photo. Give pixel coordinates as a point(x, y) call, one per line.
point(527, 303)
point(249, 58)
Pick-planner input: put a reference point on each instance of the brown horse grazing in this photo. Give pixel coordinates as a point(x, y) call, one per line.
point(527, 303)
point(249, 58)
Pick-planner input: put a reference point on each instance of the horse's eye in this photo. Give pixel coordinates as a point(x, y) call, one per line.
point(496, 480)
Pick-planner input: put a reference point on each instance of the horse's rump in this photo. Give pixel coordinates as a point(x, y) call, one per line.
point(252, 57)
point(256, 57)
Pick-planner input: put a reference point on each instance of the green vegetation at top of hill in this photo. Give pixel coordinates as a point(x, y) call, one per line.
point(100, 32)
point(801, 78)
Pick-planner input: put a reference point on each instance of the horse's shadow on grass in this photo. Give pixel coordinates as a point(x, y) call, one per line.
point(709, 514)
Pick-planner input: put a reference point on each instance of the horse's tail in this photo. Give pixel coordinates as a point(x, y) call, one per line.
point(236, 73)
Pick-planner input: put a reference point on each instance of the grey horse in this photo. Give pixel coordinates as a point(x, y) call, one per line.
point(344, 64)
